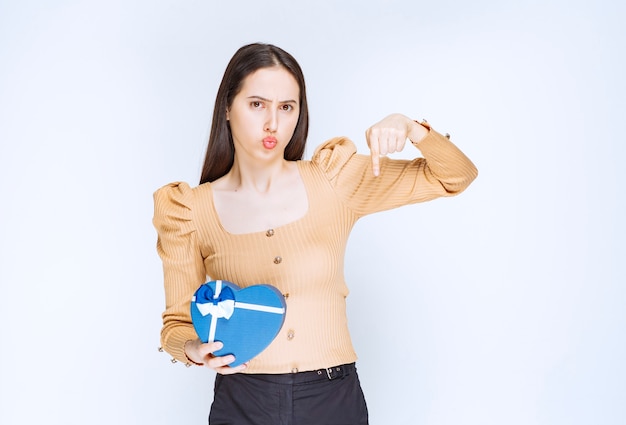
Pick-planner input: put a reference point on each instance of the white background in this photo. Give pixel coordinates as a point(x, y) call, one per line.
point(506, 303)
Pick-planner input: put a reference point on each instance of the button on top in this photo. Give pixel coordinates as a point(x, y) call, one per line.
point(269, 233)
point(278, 260)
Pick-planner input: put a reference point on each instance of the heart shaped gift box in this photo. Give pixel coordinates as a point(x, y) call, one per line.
point(245, 320)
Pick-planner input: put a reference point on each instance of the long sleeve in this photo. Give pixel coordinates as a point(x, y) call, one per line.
point(446, 164)
point(442, 171)
point(183, 267)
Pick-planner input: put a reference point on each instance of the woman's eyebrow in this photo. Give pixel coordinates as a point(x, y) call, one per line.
point(269, 100)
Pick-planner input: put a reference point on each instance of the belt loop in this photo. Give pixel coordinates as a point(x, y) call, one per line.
point(328, 372)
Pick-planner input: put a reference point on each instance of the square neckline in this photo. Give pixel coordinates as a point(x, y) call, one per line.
point(303, 177)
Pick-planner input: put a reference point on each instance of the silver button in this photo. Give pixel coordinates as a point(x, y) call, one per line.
point(448, 136)
point(294, 370)
point(269, 233)
point(160, 349)
point(174, 361)
point(278, 260)
point(290, 334)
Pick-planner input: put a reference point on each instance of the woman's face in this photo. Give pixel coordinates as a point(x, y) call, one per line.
point(264, 113)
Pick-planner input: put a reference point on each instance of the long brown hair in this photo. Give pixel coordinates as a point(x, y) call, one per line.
point(220, 153)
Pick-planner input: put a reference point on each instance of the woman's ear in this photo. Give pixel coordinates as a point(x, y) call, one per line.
point(227, 115)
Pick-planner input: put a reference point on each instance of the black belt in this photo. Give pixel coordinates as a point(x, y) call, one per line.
point(294, 378)
point(329, 373)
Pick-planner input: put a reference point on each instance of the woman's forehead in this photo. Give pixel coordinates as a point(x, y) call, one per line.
point(270, 83)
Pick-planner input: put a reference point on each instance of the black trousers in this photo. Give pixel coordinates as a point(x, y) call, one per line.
point(323, 397)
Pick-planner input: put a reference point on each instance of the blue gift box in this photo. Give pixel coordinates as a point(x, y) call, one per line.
point(245, 320)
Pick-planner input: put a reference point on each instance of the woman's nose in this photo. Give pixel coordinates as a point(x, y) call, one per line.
point(271, 124)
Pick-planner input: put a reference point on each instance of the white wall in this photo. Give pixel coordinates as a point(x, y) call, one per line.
point(510, 298)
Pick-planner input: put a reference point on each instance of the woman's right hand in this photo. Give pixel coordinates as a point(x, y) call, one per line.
point(202, 354)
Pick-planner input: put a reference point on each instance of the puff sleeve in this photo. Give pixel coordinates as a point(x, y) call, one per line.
point(442, 171)
point(183, 266)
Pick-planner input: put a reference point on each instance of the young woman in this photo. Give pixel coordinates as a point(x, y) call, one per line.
point(262, 214)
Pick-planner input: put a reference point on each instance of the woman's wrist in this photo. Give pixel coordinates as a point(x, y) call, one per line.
point(189, 360)
point(418, 130)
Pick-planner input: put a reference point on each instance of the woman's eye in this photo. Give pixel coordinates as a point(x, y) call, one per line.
point(255, 104)
point(287, 107)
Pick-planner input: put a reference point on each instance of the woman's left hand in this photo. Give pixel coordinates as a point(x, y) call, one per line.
point(389, 135)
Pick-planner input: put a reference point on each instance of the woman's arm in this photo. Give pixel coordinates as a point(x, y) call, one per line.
point(184, 272)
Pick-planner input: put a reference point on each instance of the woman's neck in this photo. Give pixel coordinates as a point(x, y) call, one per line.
point(255, 176)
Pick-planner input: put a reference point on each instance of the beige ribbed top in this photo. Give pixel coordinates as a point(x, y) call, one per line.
point(303, 259)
